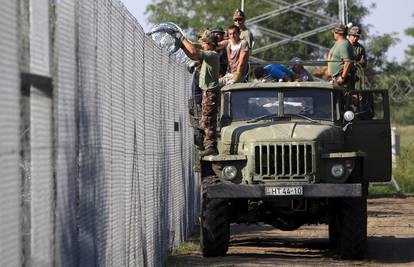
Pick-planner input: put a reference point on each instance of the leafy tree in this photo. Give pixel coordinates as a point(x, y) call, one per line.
point(409, 53)
point(193, 15)
point(377, 48)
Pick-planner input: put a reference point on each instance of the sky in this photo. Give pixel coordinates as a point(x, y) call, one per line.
point(389, 16)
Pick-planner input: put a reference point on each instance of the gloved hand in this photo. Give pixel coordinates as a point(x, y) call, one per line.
point(236, 76)
point(179, 36)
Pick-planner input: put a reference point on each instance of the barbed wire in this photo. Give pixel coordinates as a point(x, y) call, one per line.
point(400, 88)
point(159, 34)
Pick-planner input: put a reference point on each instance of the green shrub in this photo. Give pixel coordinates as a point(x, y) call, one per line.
point(402, 114)
point(404, 171)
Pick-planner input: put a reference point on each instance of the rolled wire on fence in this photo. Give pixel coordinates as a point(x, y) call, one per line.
point(401, 89)
point(95, 115)
point(159, 33)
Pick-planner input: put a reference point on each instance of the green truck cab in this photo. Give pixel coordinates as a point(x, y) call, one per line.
point(292, 154)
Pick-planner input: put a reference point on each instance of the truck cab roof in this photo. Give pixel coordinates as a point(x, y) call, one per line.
point(280, 85)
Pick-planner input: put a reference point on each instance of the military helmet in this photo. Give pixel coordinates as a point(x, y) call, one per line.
point(238, 14)
point(340, 29)
point(207, 36)
point(217, 29)
point(355, 30)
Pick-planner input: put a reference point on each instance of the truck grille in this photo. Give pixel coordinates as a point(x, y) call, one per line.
point(283, 161)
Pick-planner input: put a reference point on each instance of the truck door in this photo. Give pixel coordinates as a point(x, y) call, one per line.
point(370, 132)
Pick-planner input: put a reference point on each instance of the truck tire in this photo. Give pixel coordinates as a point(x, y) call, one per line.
point(214, 224)
point(334, 222)
point(352, 228)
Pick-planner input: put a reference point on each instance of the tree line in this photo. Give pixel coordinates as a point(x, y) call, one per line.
point(381, 72)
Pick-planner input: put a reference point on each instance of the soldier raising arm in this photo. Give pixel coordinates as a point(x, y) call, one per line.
point(208, 82)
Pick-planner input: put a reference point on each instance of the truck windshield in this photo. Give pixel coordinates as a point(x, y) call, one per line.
point(250, 104)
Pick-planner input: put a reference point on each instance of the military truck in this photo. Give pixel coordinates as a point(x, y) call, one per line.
point(292, 154)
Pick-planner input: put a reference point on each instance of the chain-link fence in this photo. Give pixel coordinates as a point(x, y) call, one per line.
point(95, 150)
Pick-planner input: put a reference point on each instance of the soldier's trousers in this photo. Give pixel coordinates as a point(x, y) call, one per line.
point(208, 121)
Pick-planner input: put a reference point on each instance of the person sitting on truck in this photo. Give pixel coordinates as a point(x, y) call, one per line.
point(237, 56)
point(301, 74)
point(208, 82)
point(273, 73)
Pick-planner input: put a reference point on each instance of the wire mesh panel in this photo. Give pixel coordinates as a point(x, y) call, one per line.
point(129, 189)
point(149, 145)
point(41, 143)
point(104, 117)
point(118, 137)
point(10, 244)
point(89, 156)
point(138, 247)
point(139, 150)
point(107, 158)
point(65, 108)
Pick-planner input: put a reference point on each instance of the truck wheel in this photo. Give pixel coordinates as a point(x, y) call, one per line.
point(214, 224)
point(352, 228)
point(334, 223)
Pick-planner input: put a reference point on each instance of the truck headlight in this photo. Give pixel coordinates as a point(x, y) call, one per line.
point(229, 172)
point(349, 116)
point(337, 170)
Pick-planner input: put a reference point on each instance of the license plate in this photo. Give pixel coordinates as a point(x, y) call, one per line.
point(284, 191)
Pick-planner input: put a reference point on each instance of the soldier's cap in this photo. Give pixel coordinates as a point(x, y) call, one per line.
point(340, 28)
point(207, 36)
point(295, 61)
point(217, 29)
point(238, 14)
point(355, 30)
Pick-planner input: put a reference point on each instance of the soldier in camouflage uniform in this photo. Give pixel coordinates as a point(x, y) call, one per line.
point(360, 56)
point(208, 82)
point(359, 51)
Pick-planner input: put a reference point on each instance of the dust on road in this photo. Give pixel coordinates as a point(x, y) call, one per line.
point(390, 241)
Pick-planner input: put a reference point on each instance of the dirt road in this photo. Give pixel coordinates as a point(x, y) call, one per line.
point(390, 241)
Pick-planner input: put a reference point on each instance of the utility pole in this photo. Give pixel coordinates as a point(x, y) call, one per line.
point(343, 11)
point(300, 7)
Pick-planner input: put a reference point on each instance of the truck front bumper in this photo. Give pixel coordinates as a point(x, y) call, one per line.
point(228, 190)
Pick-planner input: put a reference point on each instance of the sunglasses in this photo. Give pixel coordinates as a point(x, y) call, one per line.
point(238, 19)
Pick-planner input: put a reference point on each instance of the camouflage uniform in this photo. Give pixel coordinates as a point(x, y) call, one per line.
point(208, 120)
point(209, 74)
point(359, 54)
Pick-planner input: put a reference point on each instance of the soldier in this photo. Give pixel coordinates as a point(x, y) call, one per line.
point(239, 20)
point(301, 74)
point(340, 59)
point(208, 82)
point(273, 72)
point(360, 56)
point(219, 33)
